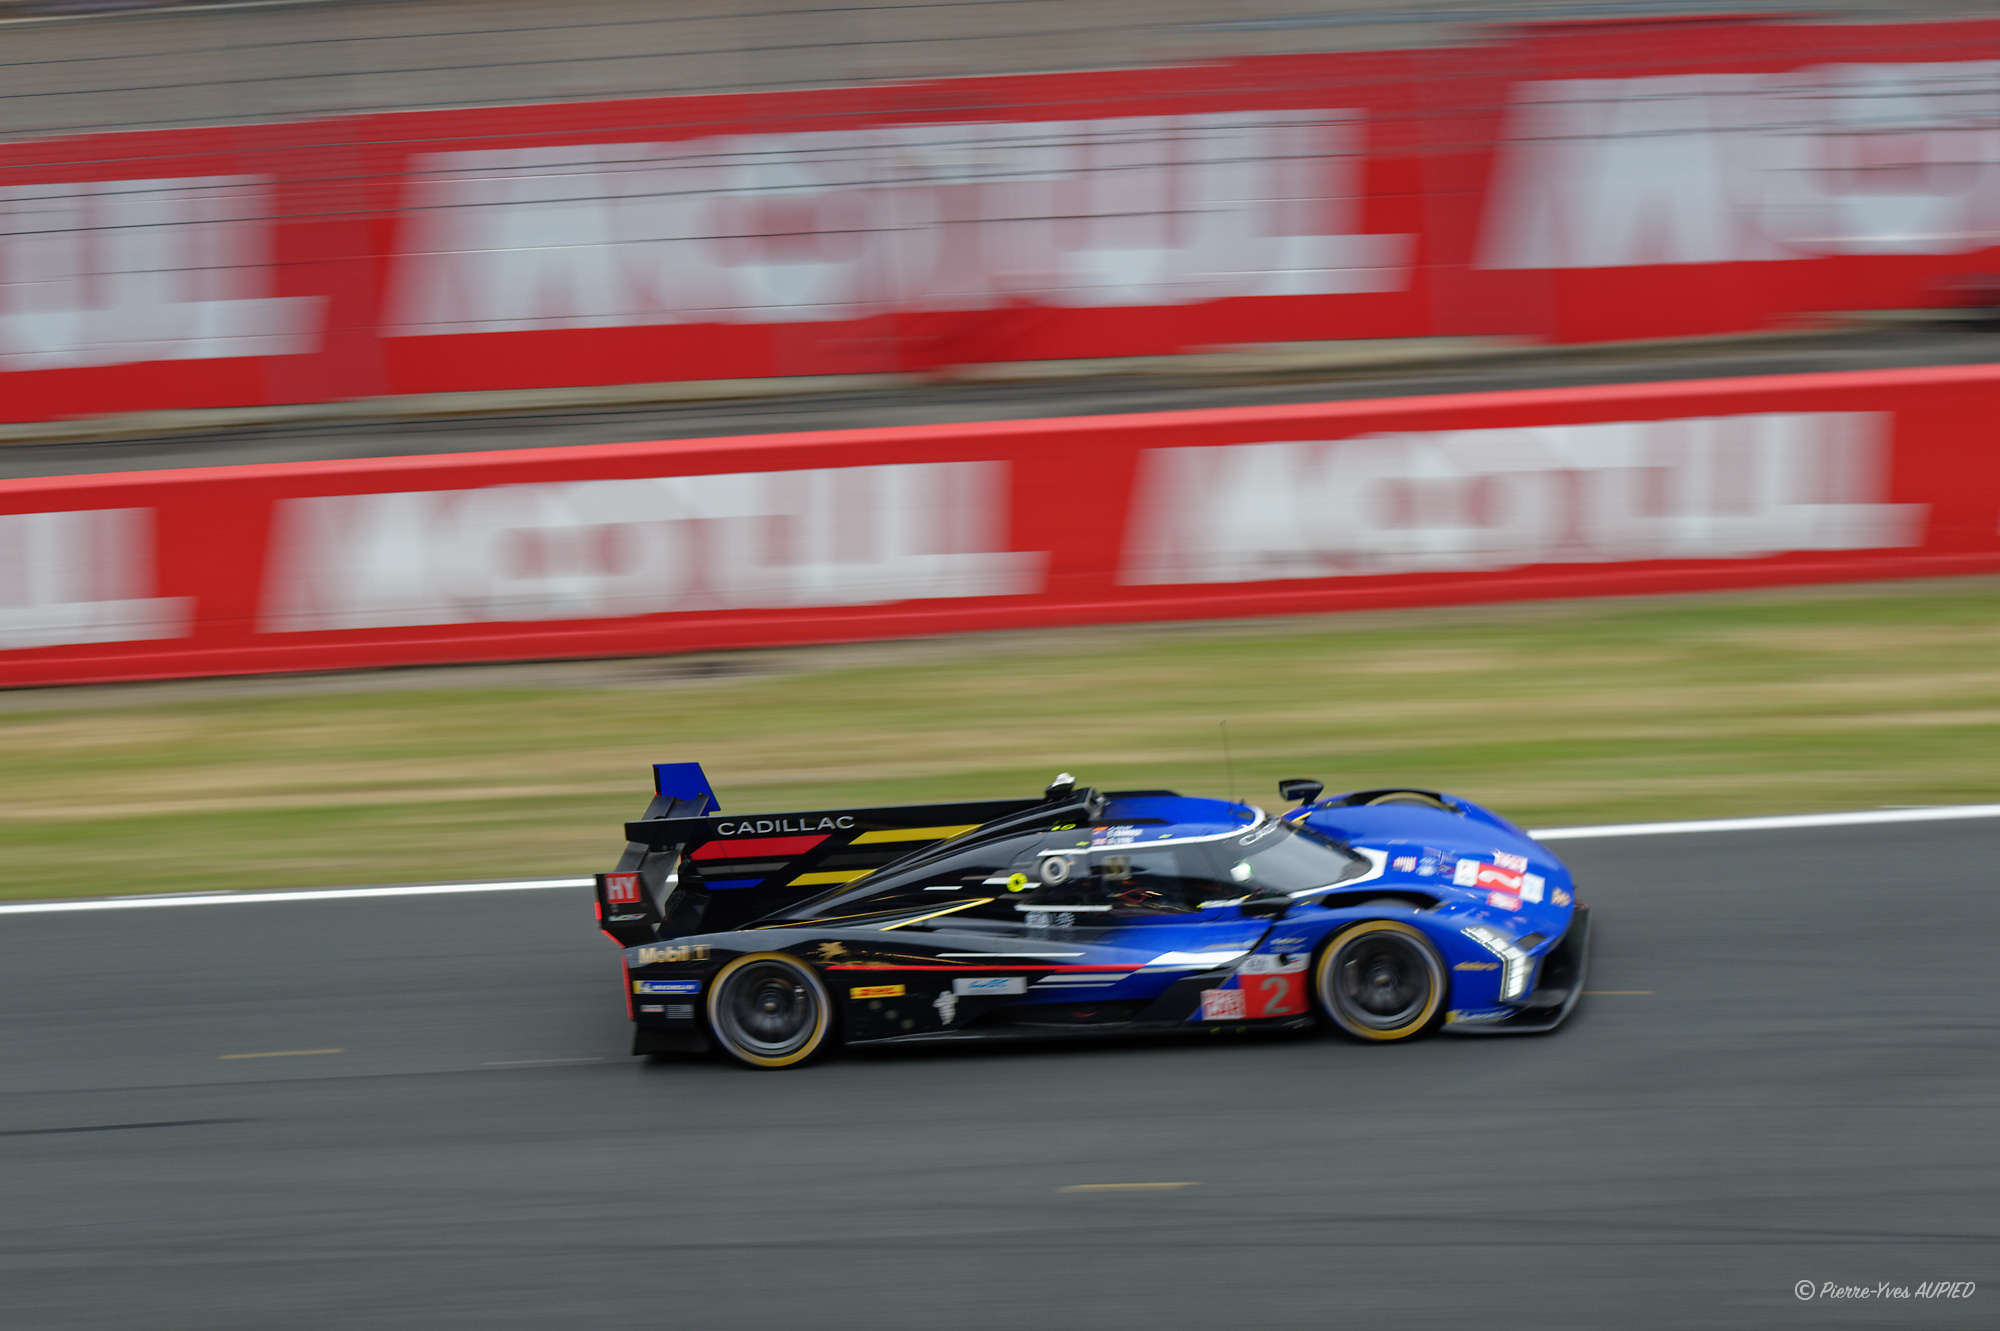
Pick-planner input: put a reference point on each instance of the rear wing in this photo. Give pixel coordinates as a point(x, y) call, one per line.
point(688, 868)
point(632, 901)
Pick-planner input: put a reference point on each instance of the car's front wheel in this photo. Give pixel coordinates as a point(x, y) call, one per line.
point(769, 1010)
point(1380, 980)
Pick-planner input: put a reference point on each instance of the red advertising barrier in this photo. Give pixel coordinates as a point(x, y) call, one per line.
point(1591, 181)
point(843, 535)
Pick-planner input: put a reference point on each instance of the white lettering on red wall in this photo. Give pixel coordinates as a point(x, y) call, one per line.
point(1153, 210)
point(612, 548)
point(83, 577)
point(1719, 168)
point(1713, 487)
point(115, 271)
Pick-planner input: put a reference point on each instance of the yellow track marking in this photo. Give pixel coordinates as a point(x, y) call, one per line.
point(963, 905)
point(910, 834)
point(285, 1053)
point(829, 876)
point(1125, 1187)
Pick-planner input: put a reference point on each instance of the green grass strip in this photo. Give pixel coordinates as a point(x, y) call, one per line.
point(1559, 713)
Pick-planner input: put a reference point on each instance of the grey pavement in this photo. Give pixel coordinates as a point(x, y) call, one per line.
point(1786, 1073)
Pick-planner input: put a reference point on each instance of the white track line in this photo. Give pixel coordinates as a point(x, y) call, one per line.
point(1780, 823)
point(307, 894)
point(87, 16)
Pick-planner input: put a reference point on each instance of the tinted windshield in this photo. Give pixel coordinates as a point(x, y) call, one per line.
point(1284, 858)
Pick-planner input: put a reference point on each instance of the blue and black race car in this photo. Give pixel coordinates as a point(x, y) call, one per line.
point(1384, 913)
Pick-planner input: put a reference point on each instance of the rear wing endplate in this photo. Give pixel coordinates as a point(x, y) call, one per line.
point(631, 902)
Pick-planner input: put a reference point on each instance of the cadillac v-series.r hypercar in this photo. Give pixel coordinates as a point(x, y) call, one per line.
point(1384, 914)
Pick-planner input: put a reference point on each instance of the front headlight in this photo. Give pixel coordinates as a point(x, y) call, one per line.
point(1517, 966)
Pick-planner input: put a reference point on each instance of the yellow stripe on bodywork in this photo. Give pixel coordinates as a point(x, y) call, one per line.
point(963, 905)
point(830, 876)
point(910, 834)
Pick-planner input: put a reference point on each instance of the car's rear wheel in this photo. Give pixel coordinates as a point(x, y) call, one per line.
point(769, 1010)
point(1380, 980)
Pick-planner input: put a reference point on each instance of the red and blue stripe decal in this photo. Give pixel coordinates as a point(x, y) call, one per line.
point(736, 862)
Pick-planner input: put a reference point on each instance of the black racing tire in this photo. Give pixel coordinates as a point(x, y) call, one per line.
point(769, 1010)
point(1380, 981)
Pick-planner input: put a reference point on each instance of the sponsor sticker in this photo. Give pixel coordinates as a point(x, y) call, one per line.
point(1222, 1005)
point(946, 1004)
point(1461, 1016)
point(666, 986)
point(1271, 963)
point(1531, 886)
point(1404, 864)
point(1518, 863)
point(991, 984)
point(621, 889)
point(1477, 966)
point(680, 1012)
point(1273, 985)
point(651, 1007)
point(1561, 898)
point(1506, 901)
point(1472, 873)
point(876, 991)
point(654, 956)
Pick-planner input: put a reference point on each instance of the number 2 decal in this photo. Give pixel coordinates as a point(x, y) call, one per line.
point(1279, 995)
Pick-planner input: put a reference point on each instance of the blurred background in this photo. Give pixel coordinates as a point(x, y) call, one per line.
point(348, 233)
point(419, 416)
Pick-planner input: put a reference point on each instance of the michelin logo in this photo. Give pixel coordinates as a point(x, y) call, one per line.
point(666, 986)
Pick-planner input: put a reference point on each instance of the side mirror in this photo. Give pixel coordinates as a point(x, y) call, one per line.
point(1269, 907)
point(1300, 789)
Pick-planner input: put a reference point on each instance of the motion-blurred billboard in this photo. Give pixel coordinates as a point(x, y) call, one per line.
point(855, 534)
point(1570, 183)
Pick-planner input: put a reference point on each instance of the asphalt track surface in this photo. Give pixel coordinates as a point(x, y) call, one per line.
point(1786, 1073)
